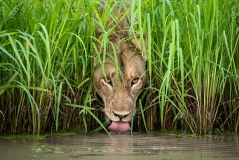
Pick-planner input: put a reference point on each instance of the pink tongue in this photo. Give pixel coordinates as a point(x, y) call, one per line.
point(119, 126)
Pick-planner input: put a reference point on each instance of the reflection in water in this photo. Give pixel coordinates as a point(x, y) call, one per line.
point(141, 146)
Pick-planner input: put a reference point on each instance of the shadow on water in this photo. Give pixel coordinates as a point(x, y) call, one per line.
point(122, 147)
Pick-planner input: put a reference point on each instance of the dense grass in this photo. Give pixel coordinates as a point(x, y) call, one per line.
point(46, 65)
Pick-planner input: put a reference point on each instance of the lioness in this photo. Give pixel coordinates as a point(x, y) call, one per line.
point(123, 75)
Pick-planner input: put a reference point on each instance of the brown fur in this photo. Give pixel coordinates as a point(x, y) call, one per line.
point(119, 91)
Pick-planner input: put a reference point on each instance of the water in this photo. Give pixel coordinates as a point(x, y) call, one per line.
point(122, 147)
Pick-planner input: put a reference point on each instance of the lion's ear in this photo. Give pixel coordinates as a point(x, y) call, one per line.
point(139, 44)
point(144, 58)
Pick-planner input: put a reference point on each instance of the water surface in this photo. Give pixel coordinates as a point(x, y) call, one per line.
point(122, 147)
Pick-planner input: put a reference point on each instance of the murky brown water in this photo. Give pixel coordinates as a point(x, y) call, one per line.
point(122, 147)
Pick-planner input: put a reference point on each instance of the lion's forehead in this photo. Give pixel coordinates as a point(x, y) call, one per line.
point(125, 77)
point(131, 68)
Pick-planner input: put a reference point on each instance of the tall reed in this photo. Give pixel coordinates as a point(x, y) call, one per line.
point(46, 64)
point(195, 60)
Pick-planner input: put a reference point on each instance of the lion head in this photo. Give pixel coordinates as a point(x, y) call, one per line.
point(119, 81)
point(120, 75)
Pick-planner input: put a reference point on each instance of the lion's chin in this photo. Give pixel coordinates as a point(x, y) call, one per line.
point(119, 126)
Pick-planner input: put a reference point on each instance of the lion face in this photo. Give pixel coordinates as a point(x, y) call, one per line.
point(119, 88)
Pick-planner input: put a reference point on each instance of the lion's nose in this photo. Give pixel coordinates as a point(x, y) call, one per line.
point(120, 115)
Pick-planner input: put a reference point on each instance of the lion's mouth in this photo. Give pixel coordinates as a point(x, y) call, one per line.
point(119, 126)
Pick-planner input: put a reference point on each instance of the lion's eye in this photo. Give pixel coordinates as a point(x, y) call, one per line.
point(108, 81)
point(134, 81)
